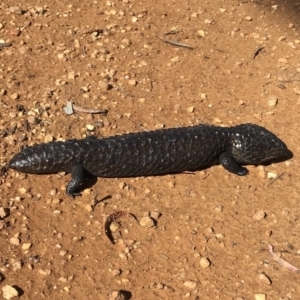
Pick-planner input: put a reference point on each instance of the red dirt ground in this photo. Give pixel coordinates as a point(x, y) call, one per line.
point(106, 54)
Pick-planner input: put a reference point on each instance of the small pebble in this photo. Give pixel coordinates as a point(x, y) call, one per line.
point(45, 272)
point(190, 109)
point(201, 33)
point(271, 175)
point(26, 246)
point(272, 101)
point(116, 272)
point(146, 221)
point(204, 262)
point(259, 215)
point(88, 207)
point(114, 226)
point(9, 292)
point(260, 297)
point(14, 96)
point(90, 127)
point(117, 295)
point(48, 138)
point(132, 82)
point(218, 208)
point(208, 21)
point(282, 38)
point(175, 59)
point(190, 284)
point(14, 241)
point(3, 212)
point(15, 10)
point(248, 18)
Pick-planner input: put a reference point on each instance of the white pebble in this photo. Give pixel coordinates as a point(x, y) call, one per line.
point(258, 216)
point(272, 101)
point(271, 175)
point(204, 262)
point(3, 212)
point(14, 241)
point(132, 82)
point(9, 292)
point(260, 297)
point(147, 221)
point(190, 284)
point(26, 246)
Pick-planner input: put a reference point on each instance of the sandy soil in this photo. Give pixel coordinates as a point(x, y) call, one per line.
point(107, 54)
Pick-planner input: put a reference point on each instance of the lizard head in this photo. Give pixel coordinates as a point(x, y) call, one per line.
point(253, 144)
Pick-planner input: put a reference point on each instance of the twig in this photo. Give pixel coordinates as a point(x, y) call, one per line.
point(175, 43)
point(257, 51)
point(276, 178)
point(70, 107)
point(281, 261)
point(140, 125)
point(90, 110)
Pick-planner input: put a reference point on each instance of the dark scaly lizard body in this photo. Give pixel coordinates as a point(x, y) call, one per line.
point(154, 153)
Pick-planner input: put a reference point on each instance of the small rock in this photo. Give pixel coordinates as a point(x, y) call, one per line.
point(48, 138)
point(114, 226)
point(248, 18)
point(45, 272)
point(26, 246)
point(218, 208)
point(15, 10)
point(190, 109)
point(260, 297)
point(22, 190)
point(204, 262)
point(201, 33)
point(14, 241)
point(104, 86)
point(146, 221)
point(264, 278)
point(271, 175)
point(3, 212)
point(88, 207)
point(32, 120)
point(90, 127)
point(155, 215)
point(117, 295)
point(259, 215)
point(9, 292)
point(132, 82)
point(190, 284)
point(203, 96)
point(175, 59)
point(116, 272)
point(272, 101)
point(282, 38)
point(14, 96)
point(217, 120)
point(208, 21)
